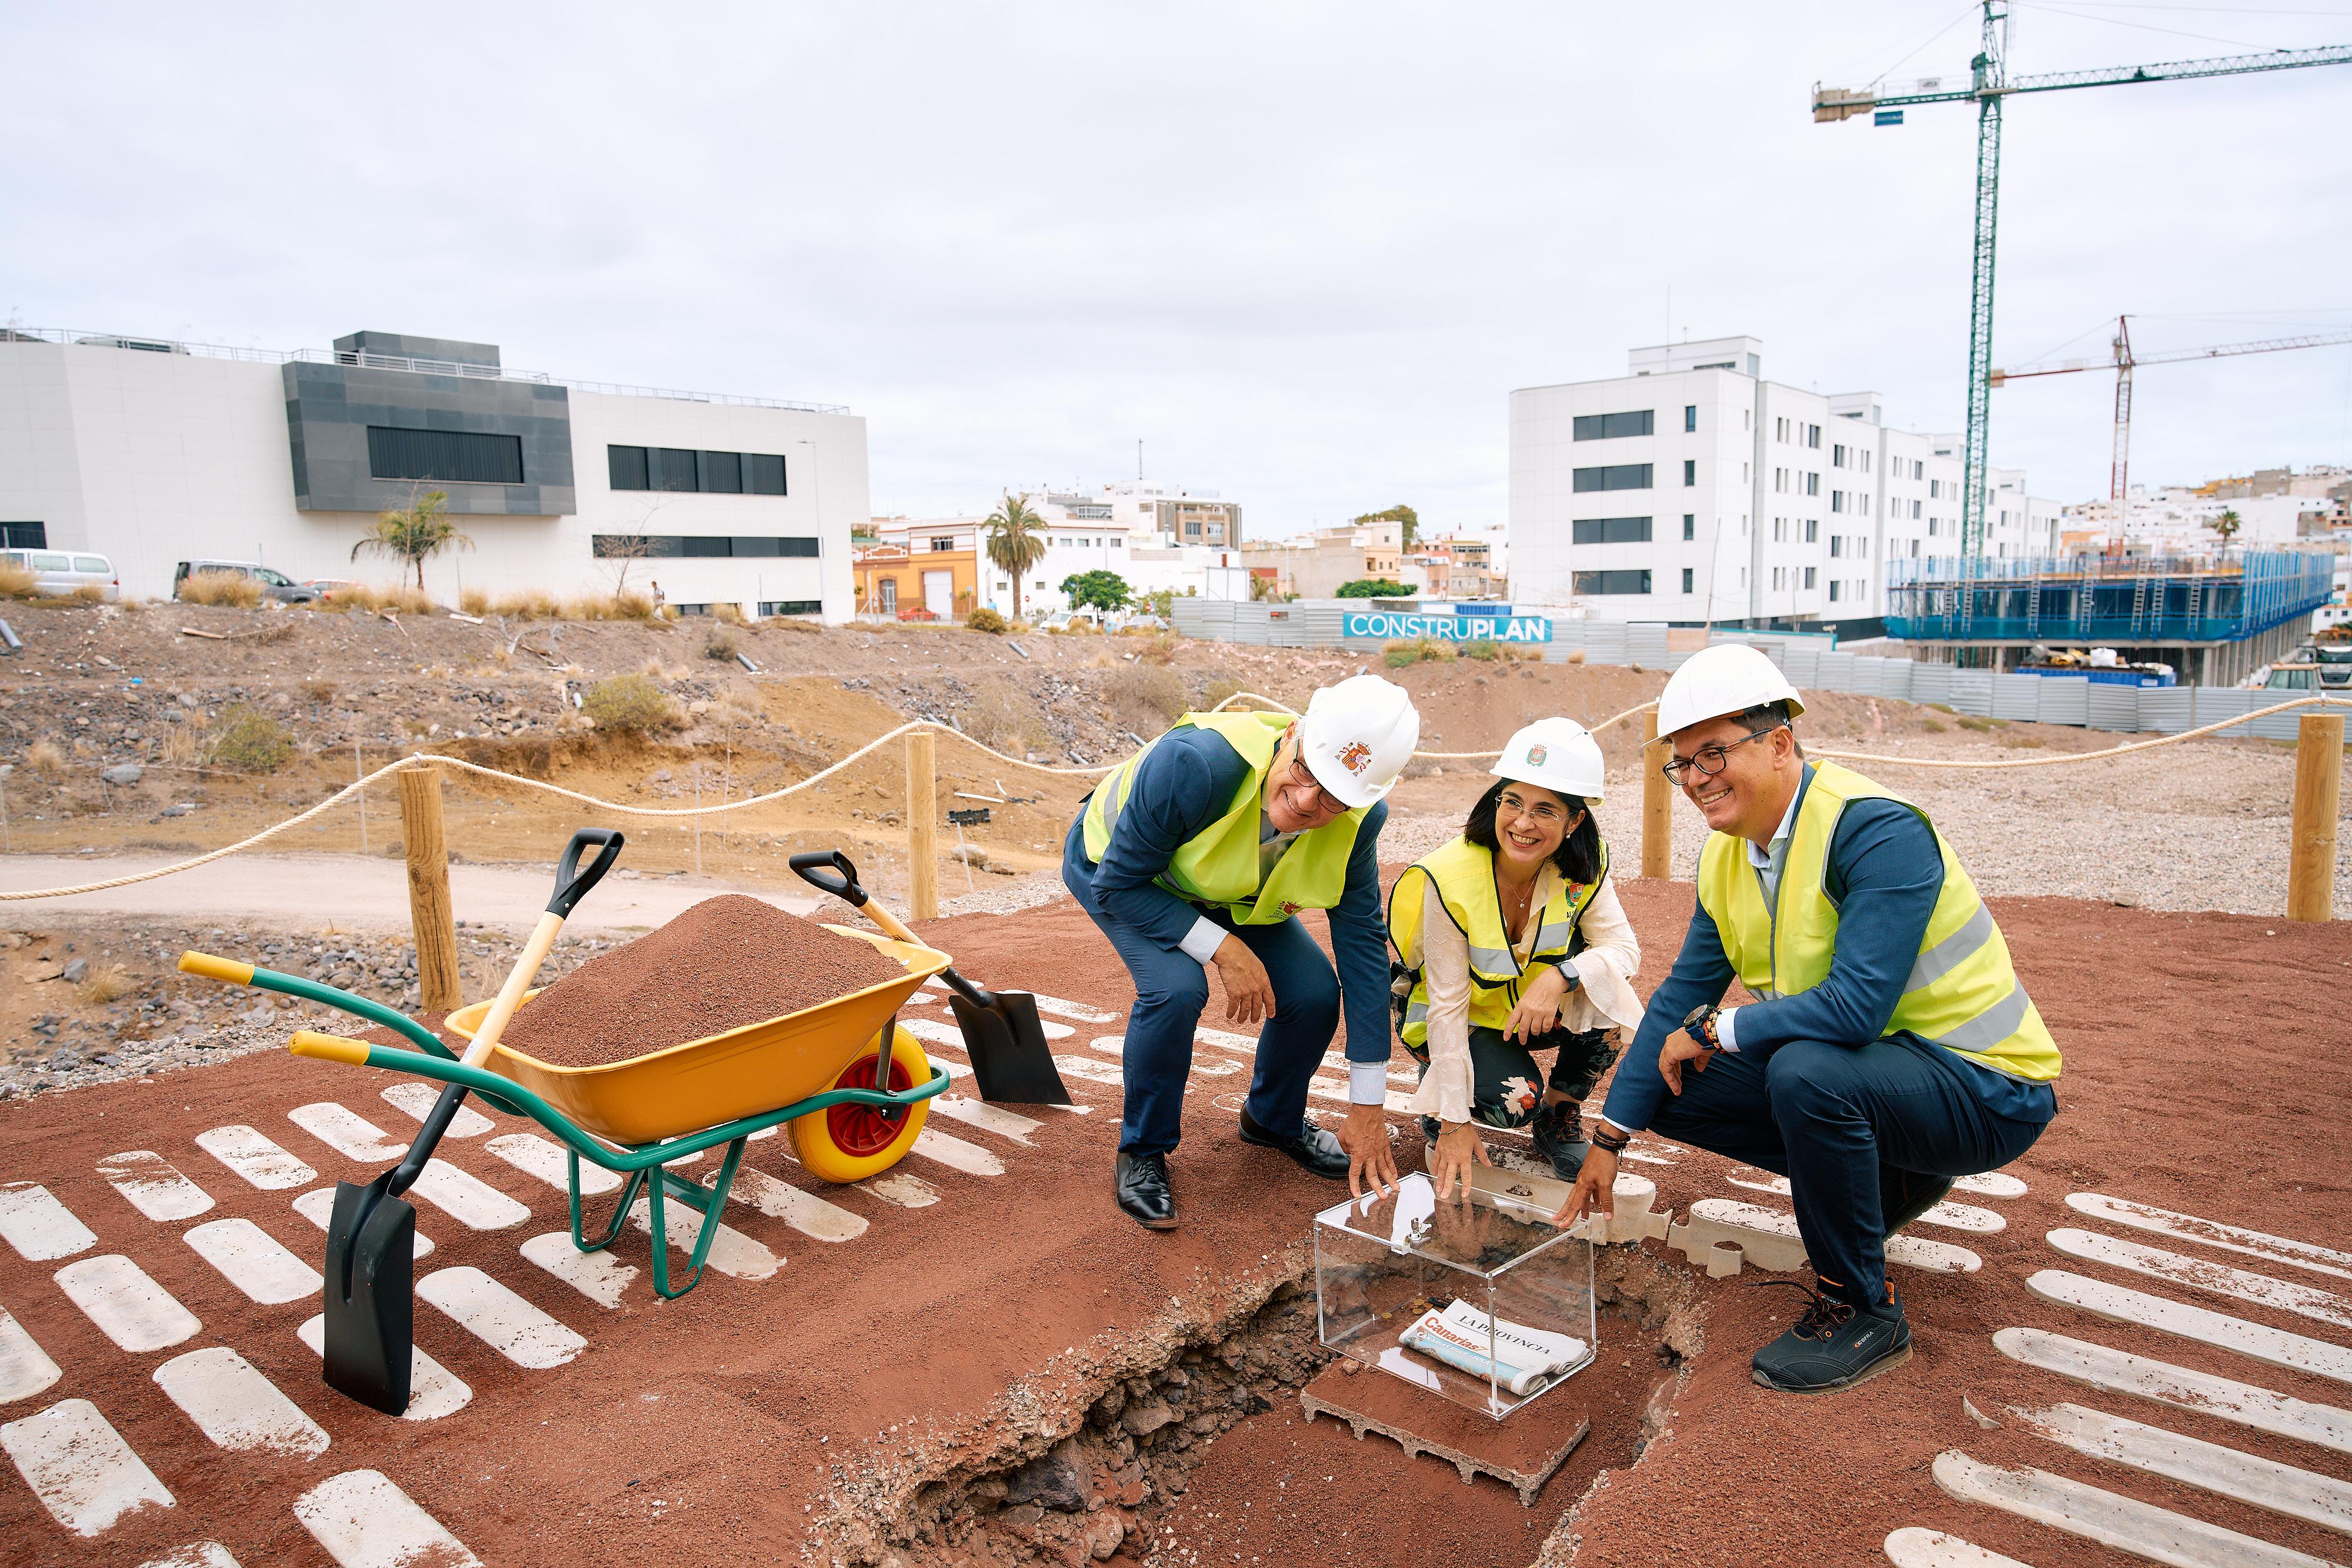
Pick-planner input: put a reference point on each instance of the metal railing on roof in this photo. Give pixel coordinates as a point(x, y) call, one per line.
point(394, 362)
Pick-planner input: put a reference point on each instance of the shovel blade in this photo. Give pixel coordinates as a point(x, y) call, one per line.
point(1010, 1059)
point(370, 1295)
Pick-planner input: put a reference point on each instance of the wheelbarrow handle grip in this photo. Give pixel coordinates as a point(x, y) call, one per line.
point(830, 871)
point(571, 884)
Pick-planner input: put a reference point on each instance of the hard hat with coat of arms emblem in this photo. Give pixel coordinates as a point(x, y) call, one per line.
point(1356, 736)
point(1559, 753)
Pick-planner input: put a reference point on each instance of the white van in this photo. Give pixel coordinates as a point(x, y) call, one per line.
point(66, 572)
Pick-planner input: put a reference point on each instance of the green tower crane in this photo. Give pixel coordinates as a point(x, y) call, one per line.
point(1989, 86)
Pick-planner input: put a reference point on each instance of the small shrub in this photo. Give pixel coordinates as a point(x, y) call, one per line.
point(1943, 707)
point(223, 588)
point(474, 601)
point(1932, 728)
point(181, 745)
point(727, 614)
point(46, 757)
point(1418, 649)
point(110, 984)
point(15, 581)
point(719, 644)
point(1143, 697)
point(1979, 724)
point(985, 619)
point(250, 741)
point(88, 593)
point(322, 691)
point(630, 704)
point(1487, 651)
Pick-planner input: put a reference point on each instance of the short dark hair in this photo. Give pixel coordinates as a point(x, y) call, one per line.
point(1766, 717)
point(1579, 855)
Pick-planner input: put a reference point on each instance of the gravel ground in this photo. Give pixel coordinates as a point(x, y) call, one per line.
point(2198, 826)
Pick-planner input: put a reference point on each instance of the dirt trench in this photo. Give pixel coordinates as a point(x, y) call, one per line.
point(1142, 1478)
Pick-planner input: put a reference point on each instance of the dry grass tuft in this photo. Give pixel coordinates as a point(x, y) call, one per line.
point(1143, 697)
point(319, 691)
point(227, 588)
point(47, 757)
point(181, 744)
point(727, 614)
point(630, 704)
point(110, 984)
point(719, 644)
point(88, 593)
point(17, 581)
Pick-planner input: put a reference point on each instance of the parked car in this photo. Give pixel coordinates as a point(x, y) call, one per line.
point(2334, 664)
point(2291, 678)
point(328, 587)
point(274, 584)
point(918, 612)
point(66, 572)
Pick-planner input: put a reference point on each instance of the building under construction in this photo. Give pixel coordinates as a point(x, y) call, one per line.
point(2214, 619)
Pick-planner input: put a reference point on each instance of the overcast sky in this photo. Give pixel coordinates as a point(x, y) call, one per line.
point(1304, 252)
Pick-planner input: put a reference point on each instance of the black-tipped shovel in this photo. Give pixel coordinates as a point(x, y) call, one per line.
point(1010, 1059)
point(371, 1274)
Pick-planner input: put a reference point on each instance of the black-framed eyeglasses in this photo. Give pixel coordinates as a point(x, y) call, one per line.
point(1708, 760)
point(1299, 776)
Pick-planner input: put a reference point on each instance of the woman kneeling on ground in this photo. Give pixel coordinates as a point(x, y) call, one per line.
point(1514, 942)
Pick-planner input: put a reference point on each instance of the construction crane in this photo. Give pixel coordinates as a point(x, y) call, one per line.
point(1989, 86)
point(2125, 360)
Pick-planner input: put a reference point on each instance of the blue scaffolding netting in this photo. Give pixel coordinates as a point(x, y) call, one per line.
point(2105, 599)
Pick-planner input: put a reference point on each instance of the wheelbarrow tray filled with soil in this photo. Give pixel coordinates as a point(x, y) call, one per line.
point(745, 1071)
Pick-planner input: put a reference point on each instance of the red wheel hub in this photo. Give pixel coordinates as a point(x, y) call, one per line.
point(862, 1131)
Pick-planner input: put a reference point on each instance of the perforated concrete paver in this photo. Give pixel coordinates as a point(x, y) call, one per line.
point(129, 1308)
point(153, 1186)
point(252, 1154)
point(38, 1226)
point(363, 1520)
point(499, 1318)
point(254, 1261)
point(238, 1407)
point(317, 1206)
point(80, 1468)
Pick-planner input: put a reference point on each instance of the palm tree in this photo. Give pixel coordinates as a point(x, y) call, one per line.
point(2227, 526)
point(414, 533)
point(1014, 544)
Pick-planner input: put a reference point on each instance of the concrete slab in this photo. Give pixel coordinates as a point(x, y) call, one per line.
point(1521, 1451)
point(2265, 1483)
point(80, 1468)
point(2120, 1371)
point(255, 1261)
point(2210, 1233)
point(38, 1226)
point(129, 1308)
point(434, 1391)
point(252, 1154)
point(2295, 1351)
point(238, 1407)
point(26, 1368)
point(153, 1186)
point(347, 1132)
point(363, 1520)
point(2125, 1523)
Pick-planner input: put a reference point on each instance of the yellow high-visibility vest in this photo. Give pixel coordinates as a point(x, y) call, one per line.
point(1219, 865)
point(1962, 993)
point(1464, 875)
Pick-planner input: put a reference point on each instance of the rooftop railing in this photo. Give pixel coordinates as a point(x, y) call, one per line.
point(394, 362)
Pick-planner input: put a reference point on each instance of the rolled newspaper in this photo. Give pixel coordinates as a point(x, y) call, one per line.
point(1522, 1360)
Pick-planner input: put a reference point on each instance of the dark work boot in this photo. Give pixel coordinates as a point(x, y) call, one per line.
point(1143, 1190)
point(1314, 1149)
point(1834, 1345)
point(1559, 1133)
point(1915, 1197)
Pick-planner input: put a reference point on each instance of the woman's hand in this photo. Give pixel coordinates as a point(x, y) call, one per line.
point(1538, 1010)
point(1457, 1147)
point(1249, 990)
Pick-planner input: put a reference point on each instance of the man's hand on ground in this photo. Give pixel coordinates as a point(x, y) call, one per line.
point(1595, 1189)
point(1249, 991)
point(1450, 1157)
point(1365, 1135)
point(1680, 1048)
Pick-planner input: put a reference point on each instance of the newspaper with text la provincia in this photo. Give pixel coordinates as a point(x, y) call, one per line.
point(1523, 1359)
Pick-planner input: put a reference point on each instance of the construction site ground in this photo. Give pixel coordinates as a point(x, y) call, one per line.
point(977, 1358)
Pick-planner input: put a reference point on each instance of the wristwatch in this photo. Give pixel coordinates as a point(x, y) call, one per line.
point(1700, 1026)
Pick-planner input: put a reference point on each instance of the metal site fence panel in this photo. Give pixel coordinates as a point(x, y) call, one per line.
point(1802, 665)
point(2167, 710)
point(2017, 698)
point(2061, 699)
point(1932, 684)
point(1972, 693)
point(1833, 672)
point(1646, 643)
point(2111, 707)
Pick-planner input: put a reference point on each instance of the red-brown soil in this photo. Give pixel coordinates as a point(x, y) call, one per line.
point(758, 1422)
point(725, 963)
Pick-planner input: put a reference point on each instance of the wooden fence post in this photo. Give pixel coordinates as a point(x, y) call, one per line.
point(922, 824)
point(430, 913)
point(1657, 804)
point(2318, 795)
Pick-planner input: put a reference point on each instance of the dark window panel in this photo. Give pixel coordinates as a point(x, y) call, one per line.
point(746, 545)
point(1612, 426)
point(763, 475)
point(794, 606)
point(702, 545)
point(1617, 477)
point(722, 473)
point(674, 469)
point(444, 456)
point(628, 466)
point(1612, 531)
point(637, 546)
point(1603, 583)
point(24, 536)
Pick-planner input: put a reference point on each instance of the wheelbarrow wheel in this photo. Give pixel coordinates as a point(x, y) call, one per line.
point(849, 1143)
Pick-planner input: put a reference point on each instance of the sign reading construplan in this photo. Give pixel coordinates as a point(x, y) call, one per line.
point(1449, 628)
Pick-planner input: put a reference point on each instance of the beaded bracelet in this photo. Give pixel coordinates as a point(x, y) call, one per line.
point(1604, 1138)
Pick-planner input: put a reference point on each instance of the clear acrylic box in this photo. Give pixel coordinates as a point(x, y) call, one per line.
point(1511, 1293)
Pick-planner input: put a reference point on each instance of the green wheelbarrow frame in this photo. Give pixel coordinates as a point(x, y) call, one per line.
point(645, 1165)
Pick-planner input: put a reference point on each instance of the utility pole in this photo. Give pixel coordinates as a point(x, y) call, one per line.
point(1988, 88)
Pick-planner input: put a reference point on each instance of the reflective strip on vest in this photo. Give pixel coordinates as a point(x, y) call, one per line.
point(1934, 962)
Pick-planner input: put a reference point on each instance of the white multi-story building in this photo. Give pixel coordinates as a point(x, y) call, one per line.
point(1694, 490)
point(155, 452)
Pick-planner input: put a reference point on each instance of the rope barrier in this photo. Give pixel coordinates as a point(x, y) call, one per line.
point(435, 759)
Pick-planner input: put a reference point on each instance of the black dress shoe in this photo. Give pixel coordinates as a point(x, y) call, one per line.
point(1143, 1191)
point(1314, 1149)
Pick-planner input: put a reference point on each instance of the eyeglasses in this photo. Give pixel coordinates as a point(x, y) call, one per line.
point(1708, 760)
point(1297, 777)
point(1549, 816)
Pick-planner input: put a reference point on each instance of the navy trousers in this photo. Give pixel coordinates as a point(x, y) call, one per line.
point(1170, 989)
point(1853, 1129)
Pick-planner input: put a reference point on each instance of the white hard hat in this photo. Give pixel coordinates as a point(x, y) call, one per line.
point(1357, 737)
point(1728, 678)
point(1559, 753)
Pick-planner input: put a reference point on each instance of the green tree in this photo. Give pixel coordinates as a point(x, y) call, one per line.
point(2227, 525)
point(414, 534)
point(1015, 542)
point(1099, 589)
point(1373, 588)
point(1402, 515)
